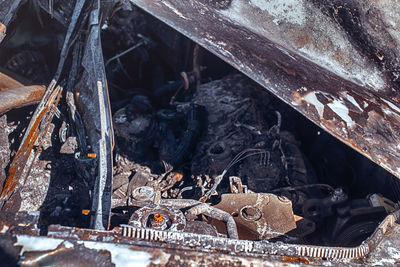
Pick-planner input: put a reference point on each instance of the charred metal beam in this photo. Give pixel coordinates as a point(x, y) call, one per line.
point(94, 104)
point(314, 62)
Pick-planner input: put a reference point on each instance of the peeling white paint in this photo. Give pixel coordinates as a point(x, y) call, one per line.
point(336, 105)
point(34, 243)
point(342, 111)
point(4, 229)
point(121, 256)
point(328, 46)
point(358, 74)
point(351, 100)
point(68, 244)
point(312, 99)
point(392, 106)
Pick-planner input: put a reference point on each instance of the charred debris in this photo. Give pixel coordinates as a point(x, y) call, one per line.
point(159, 133)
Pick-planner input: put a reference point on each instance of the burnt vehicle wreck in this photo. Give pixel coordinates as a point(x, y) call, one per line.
point(169, 132)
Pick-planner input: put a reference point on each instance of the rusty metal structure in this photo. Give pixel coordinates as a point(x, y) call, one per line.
point(336, 62)
point(14, 94)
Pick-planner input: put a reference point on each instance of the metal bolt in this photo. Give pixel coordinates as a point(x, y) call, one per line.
point(158, 221)
point(158, 218)
point(283, 199)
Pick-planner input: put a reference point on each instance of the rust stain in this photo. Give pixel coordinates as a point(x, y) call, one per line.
point(20, 160)
point(260, 58)
point(264, 215)
point(300, 37)
point(287, 69)
point(296, 260)
point(158, 218)
point(6, 82)
point(21, 96)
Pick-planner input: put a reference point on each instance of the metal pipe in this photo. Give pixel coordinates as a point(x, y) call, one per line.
point(203, 208)
point(180, 203)
point(217, 214)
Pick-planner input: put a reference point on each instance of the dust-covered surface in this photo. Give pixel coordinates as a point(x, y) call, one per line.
point(288, 23)
point(388, 252)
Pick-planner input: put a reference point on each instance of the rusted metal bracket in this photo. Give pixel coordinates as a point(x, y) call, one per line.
point(264, 215)
point(13, 94)
point(301, 55)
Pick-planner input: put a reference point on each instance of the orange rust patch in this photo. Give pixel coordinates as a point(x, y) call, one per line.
point(158, 218)
point(12, 181)
point(6, 82)
point(20, 96)
point(296, 260)
point(298, 97)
